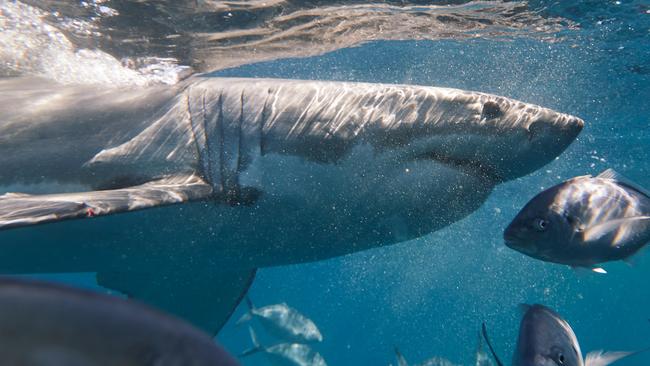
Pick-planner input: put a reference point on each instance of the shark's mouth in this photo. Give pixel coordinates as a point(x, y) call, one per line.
point(465, 165)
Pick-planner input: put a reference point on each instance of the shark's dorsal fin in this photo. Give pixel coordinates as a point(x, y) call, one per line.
point(619, 178)
point(18, 210)
point(206, 298)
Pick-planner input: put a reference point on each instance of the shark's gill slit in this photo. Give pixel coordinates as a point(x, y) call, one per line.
point(220, 131)
point(208, 148)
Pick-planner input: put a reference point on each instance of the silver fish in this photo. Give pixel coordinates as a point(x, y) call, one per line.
point(583, 222)
point(260, 165)
point(285, 354)
point(283, 322)
point(545, 339)
point(43, 324)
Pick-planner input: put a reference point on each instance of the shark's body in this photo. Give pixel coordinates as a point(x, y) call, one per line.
point(275, 172)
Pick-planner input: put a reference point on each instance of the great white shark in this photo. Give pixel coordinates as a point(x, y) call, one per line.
point(269, 171)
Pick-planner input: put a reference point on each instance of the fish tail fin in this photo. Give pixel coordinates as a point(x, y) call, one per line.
point(602, 358)
point(249, 314)
point(244, 318)
point(256, 345)
point(249, 303)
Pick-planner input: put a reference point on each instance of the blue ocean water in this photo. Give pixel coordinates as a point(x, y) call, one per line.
point(429, 296)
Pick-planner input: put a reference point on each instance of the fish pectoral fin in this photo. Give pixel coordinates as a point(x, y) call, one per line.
point(583, 270)
point(596, 232)
point(602, 358)
point(207, 299)
point(18, 210)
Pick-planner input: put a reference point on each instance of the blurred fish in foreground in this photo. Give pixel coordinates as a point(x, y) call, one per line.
point(51, 325)
point(584, 221)
point(283, 322)
point(545, 339)
point(285, 354)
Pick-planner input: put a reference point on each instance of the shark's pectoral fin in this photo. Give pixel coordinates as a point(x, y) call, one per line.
point(205, 298)
point(22, 209)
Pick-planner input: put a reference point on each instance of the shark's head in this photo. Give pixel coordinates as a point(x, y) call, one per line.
point(545, 339)
point(499, 137)
point(377, 163)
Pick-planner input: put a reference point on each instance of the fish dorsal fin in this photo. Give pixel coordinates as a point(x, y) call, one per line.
point(401, 361)
point(616, 176)
point(523, 308)
point(596, 232)
point(580, 177)
point(487, 340)
point(602, 358)
point(609, 174)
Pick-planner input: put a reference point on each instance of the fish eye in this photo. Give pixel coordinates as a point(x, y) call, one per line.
point(560, 358)
point(541, 224)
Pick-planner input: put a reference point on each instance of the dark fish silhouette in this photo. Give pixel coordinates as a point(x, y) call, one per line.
point(50, 325)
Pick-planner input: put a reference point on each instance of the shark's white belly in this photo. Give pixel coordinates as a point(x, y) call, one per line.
point(306, 211)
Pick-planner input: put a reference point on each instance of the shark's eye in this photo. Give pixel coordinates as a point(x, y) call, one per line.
point(560, 359)
point(541, 224)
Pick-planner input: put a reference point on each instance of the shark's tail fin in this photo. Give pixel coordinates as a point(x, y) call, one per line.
point(249, 314)
point(256, 344)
